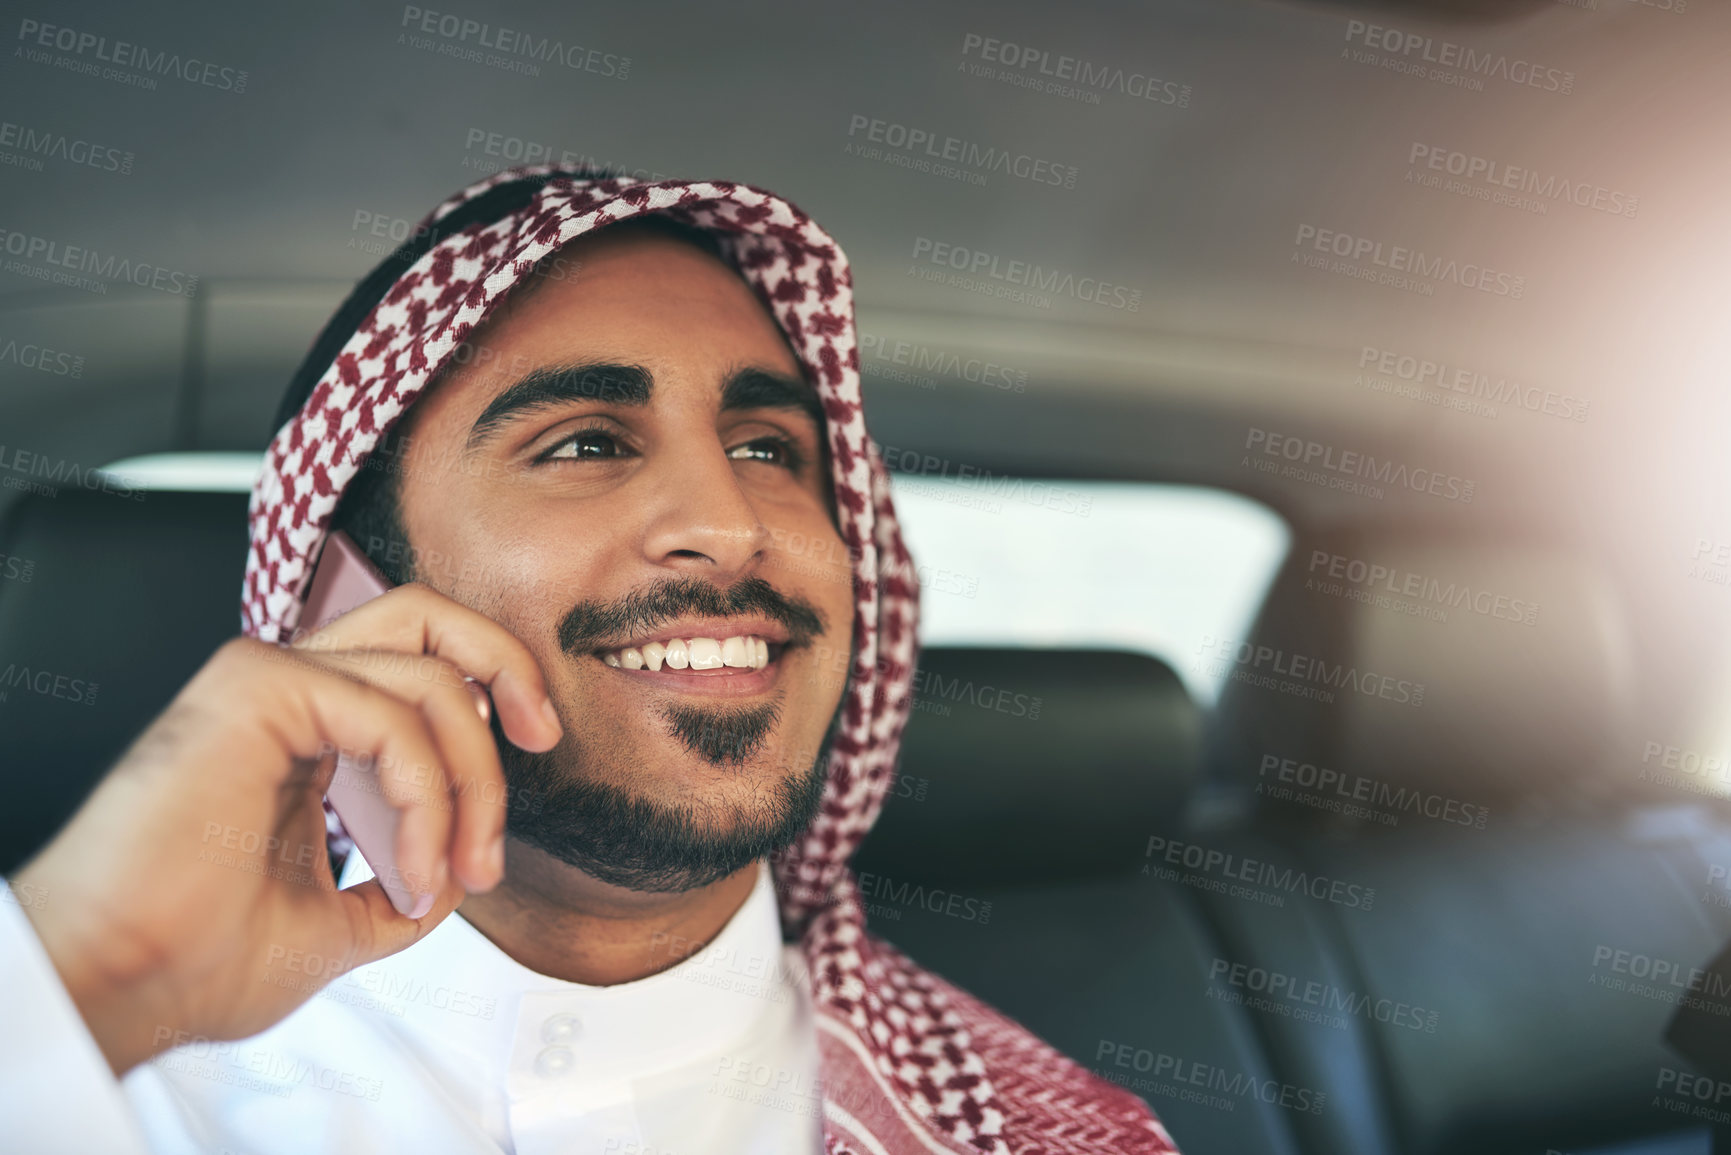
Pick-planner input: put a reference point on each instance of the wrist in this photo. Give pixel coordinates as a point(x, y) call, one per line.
point(110, 997)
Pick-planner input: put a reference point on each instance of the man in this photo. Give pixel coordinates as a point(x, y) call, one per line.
point(612, 432)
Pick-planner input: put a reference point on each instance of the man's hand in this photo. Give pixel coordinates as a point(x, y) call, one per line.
point(191, 892)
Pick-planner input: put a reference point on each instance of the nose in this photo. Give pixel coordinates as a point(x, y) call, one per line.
point(702, 522)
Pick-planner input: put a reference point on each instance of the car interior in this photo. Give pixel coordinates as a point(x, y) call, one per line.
point(1323, 720)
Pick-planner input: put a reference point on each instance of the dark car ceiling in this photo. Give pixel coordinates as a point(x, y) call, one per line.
point(1196, 207)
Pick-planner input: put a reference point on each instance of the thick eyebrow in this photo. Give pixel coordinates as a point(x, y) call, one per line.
point(632, 385)
point(761, 389)
point(547, 387)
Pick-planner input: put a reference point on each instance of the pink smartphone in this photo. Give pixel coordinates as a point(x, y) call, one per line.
point(345, 579)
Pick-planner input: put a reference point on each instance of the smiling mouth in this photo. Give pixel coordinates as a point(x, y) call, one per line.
point(742, 653)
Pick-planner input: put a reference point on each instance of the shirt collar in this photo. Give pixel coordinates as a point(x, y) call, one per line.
point(466, 993)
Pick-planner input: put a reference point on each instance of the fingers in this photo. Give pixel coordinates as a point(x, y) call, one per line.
point(416, 619)
point(312, 711)
point(473, 783)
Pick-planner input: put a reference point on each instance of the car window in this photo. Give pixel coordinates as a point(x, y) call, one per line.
point(1163, 569)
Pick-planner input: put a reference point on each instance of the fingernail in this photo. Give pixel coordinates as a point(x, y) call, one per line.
point(482, 706)
point(552, 715)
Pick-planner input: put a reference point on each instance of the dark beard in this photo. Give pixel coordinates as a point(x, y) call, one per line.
point(624, 841)
point(722, 737)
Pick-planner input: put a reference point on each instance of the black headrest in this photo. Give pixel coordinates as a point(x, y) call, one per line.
point(1024, 766)
point(127, 597)
point(1483, 670)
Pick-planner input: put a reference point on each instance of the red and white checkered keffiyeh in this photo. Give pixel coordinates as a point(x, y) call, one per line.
point(910, 1063)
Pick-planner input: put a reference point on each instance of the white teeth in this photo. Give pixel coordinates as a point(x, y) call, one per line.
point(706, 654)
point(740, 652)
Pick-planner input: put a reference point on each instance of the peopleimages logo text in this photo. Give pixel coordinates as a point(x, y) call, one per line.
point(25, 465)
point(1499, 389)
point(514, 42)
point(41, 358)
point(966, 153)
point(1517, 178)
point(1374, 576)
point(1357, 788)
point(977, 263)
point(47, 683)
point(1401, 259)
point(1083, 73)
point(1282, 989)
point(34, 143)
point(1224, 864)
point(1448, 54)
point(1352, 463)
point(124, 54)
point(1224, 654)
point(109, 267)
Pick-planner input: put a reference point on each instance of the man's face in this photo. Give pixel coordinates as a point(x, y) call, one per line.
point(630, 455)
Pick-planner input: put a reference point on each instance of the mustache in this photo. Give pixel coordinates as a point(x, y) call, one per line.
point(592, 625)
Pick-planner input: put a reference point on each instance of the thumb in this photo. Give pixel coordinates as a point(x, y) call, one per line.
point(377, 930)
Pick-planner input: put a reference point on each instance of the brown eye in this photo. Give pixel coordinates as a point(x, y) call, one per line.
point(583, 445)
point(770, 450)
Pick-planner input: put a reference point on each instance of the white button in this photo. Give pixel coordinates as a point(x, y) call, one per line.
point(554, 1061)
point(560, 1029)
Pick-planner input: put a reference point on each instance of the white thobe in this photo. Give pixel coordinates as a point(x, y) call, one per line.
point(449, 1046)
